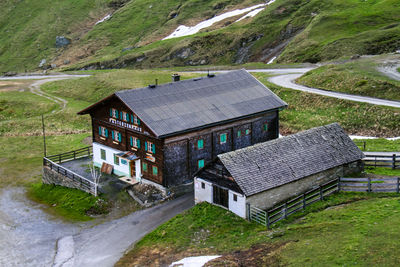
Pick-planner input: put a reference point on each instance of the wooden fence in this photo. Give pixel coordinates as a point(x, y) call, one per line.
point(296, 204)
point(389, 161)
point(71, 155)
point(370, 184)
point(361, 145)
point(84, 183)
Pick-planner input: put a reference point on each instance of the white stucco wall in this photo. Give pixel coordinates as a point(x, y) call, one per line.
point(238, 207)
point(206, 194)
point(202, 194)
point(121, 169)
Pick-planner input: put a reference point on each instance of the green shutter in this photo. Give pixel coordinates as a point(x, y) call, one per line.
point(111, 112)
point(106, 132)
point(131, 139)
point(138, 121)
point(120, 115)
point(116, 114)
point(200, 144)
point(153, 148)
point(119, 137)
point(145, 145)
point(112, 134)
point(201, 163)
point(99, 130)
point(131, 118)
point(138, 143)
point(239, 133)
point(155, 170)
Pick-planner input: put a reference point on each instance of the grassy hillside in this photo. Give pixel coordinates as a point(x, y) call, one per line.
point(359, 77)
point(347, 229)
point(313, 30)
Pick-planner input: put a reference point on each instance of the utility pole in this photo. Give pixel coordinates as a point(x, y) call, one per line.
point(44, 137)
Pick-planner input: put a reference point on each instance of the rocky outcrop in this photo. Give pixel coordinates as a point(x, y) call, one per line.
point(62, 41)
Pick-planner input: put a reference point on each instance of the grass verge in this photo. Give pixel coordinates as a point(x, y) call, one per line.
point(70, 204)
point(359, 77)
point(383, 171)
point(308, 110)
point(379, 144)
point(359, 221)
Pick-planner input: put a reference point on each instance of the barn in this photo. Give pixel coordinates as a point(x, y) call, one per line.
point(163, 134)
point(266, 174)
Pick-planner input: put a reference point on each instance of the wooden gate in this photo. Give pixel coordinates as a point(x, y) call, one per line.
point(220, 196)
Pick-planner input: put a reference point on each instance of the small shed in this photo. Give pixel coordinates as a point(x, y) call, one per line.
point(268, 173)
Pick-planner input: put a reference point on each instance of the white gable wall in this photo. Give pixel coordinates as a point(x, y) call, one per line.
point(206, 194)
point(238, 207)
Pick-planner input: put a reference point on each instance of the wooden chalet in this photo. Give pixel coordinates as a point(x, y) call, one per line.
point(166, 133)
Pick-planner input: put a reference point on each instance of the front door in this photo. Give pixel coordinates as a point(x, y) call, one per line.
point(220, 196)
point(133, 168)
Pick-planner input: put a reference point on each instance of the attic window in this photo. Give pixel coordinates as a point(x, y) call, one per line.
point(265, 127)
point(114, 113)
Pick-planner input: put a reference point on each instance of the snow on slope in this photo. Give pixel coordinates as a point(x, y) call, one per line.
point(183, 30)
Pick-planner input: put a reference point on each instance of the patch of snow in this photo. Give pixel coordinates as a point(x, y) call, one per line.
point(255, 11)
point(107, 17)
point(271, 60)
point(373, 137)
point(183, 30)
point(193, 261)
point(65, 252)
point(251, 14)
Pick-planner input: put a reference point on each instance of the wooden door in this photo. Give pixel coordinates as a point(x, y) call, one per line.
point(133, 168)
point(220, 196)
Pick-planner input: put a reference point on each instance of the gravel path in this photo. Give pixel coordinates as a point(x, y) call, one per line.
point(287, 81)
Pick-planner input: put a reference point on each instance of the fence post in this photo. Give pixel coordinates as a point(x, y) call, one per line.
point(304, 201)
point(338, 184)
point(285, 211)
point(394, 161)
point(321, 195)
point(267, 218)
point(369, 184)
point(88, 151)
point(59, 158)
point(248, 211)
point(398, 184)
point(74, 155)
point(364, 145)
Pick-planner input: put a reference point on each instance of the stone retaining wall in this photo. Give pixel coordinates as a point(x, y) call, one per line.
point(52, 177)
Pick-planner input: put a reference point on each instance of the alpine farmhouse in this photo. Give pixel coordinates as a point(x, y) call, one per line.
point(164, 134)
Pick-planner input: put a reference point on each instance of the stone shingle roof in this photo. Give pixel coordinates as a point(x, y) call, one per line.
point(191, 104)
point(273, 163)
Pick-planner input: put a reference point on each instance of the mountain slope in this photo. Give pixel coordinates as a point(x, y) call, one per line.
point(293, 30)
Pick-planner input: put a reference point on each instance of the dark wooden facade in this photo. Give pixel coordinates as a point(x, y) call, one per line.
point(177, 157)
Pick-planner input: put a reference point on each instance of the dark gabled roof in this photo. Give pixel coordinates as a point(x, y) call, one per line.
point(280, 161)
point(196, 103)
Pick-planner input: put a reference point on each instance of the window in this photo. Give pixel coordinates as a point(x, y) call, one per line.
point(124, 162)
point(155, 170)
point(203, 185)
point(265, 127)
point(234, 197)
point(102, 154)
point(135, 142)
point(103, 131)
point(239, 133)
point(116, 136)
point(150, 147)
point(144, 165)
point(200, 144)
point(222, 138)
point(124, 116)
point(247, 131)
point(116, 159)
point(114, 113)
point(200, 163)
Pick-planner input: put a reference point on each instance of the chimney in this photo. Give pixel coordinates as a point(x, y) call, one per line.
point(176, 77)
